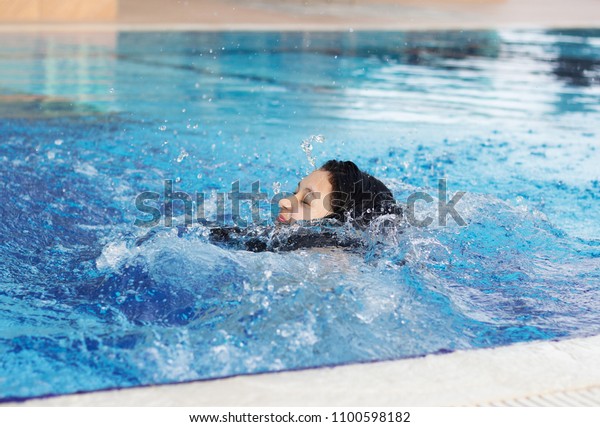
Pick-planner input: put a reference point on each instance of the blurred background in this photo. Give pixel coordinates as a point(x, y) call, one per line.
point(399, 14)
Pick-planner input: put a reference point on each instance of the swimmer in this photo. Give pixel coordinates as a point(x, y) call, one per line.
point(338, 190)
point(335, 194)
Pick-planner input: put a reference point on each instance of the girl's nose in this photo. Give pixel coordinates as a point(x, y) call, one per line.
point(285, 204)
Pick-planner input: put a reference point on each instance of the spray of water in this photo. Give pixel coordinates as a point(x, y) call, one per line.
point(307, 147)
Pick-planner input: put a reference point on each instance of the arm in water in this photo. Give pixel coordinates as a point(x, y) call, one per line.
point(272, 238)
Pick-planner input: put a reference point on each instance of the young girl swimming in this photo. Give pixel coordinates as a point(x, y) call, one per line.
point(337, 193)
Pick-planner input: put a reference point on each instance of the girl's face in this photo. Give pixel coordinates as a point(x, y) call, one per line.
point(311, 200)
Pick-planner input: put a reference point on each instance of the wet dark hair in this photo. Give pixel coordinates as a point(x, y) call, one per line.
point(357, 194)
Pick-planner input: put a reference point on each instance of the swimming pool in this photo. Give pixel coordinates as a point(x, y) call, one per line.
point(91, 120)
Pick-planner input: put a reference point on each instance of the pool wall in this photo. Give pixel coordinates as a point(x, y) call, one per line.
point(295, 15)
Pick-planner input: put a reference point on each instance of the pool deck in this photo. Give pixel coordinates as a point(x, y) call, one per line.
point(543, 373)
point(331, 15)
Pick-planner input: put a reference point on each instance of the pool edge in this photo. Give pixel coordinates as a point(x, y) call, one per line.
point(541, 373)
point(292, 27)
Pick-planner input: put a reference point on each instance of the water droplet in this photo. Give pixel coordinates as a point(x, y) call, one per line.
point(178, 179)
point(58, 142)
point(318, 138)
point(162, 128)
point(276, 187)
point(182, 155)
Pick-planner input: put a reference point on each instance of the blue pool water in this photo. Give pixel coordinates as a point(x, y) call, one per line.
point(88, 121)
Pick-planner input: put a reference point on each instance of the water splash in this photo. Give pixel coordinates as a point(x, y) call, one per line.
point(307, 146)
